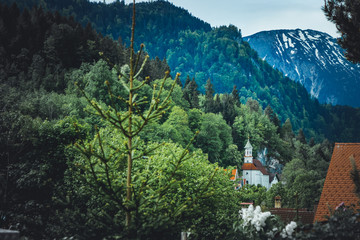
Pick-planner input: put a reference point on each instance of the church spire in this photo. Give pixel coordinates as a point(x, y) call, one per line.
point(248, 152)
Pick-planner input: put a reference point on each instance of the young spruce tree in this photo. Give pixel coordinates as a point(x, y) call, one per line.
point(117, 152)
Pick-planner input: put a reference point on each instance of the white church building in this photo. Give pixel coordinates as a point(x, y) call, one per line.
point(253, 172)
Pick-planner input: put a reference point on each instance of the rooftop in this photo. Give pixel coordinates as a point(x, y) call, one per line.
point(289, 214)
point(338, 186)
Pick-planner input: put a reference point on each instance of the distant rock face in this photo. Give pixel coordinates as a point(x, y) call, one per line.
point(314, 59)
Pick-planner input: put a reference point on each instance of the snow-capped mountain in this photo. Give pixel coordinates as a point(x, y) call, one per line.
point(314, 59)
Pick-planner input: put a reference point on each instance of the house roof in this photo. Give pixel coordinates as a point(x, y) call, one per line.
point(233, 175)
point(289, 214)
point(256, 165)
point(249, 166)
point(273, 176)
point(260, 167)
point(338, 186)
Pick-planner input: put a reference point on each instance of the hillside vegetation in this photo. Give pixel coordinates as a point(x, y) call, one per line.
point(50, 189)
point(192, 48)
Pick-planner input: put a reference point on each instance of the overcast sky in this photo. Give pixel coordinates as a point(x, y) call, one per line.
point(253, 16)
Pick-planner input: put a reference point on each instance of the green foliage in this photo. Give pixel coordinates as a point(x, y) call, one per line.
point(42, 187)
point(342, 224)
point(176, 127)
point(302, 183)
point(34, 167)
point(344, 15)
point(254, 194)
point(277, 189)
point(190, 47)
point(355, 176)
point(254, 124)
point(214, 137)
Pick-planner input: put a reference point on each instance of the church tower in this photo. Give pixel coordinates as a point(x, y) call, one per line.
point(248, 153)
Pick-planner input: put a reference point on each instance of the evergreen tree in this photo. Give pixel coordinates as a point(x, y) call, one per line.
point(272, 116)
point(228, 109)
point(345, 14)
point(191, 93)
point(187, 81)
point(217, 104)
point(235, 96)
point(186, 90)
point(286, 132)
point(209, 97)
point(253, 105)
point(301, 136)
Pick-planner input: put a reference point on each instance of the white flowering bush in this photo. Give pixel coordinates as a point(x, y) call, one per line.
point(254, 217)
point(255, 224)
point(288, 231)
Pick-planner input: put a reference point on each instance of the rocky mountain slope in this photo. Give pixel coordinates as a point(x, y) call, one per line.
point(314, 59)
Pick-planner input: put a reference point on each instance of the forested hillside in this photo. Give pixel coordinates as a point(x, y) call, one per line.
point(65, 116)
point(192, 48)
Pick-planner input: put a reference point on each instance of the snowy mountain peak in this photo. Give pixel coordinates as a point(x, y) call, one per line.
point(312, 58)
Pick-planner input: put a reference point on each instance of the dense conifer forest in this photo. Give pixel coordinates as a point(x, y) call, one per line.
point(55, 179)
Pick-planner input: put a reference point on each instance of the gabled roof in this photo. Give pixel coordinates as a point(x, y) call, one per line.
point(259, 166)
point(256, 165)
point(338, 186)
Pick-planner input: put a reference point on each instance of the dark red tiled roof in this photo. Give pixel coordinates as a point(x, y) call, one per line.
point(338, 186)
point(262, 169)
point(289, 214)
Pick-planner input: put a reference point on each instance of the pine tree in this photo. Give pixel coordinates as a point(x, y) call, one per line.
point(345, 14)
point(272, 116)
point(209, 97)
point(228, 109)
point(191, 93)
point(286, 132)
point(301, 136)
point(194, 94)
point(130, 124)
point(217, 104)
point(235, 96)
point(113, 168)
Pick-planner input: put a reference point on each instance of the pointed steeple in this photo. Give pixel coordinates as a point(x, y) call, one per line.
point(248, 152)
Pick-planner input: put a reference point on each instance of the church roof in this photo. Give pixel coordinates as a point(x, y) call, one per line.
point(339, 187)
point(248, 145)
point(274, 175)
point(249, 166)
point(259, 166)
point(256, 165)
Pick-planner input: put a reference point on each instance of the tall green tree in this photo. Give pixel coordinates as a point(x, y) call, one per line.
point(209, 97)
point(214, 137)
point(235, 96)
point(191, 94)
point(114, 160)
